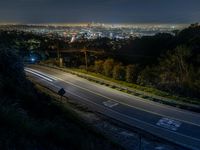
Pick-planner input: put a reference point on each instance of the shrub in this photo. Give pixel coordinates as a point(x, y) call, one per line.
point(99, 66)
point(131, 73)
point(108, 67)
point(119, 72)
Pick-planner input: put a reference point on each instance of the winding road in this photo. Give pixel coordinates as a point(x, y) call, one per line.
point(179, 126)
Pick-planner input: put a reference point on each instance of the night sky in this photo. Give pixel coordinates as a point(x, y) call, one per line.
point(107, 11)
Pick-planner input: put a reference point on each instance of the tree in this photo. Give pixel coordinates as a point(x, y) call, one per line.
point(131, 73)
point(108, 67)
point(178, 74)
point(12, 75)
point(175, 68)
point(11, 64)
point(119, 72)
point(148, 76)
point(99, 66)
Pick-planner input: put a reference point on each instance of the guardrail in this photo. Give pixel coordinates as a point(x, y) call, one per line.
point(135, 92)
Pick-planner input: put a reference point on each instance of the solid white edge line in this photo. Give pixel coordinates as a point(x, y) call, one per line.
point(39, 75)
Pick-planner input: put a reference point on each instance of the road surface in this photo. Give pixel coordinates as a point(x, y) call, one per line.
point(176, 125)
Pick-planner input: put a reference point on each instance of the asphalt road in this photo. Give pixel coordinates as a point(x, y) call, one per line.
point(176, 125)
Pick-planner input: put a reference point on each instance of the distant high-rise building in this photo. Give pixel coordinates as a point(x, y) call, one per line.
point(73, 38)
point(111, 35)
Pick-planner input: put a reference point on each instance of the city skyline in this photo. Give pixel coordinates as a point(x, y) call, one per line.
point(103, 11)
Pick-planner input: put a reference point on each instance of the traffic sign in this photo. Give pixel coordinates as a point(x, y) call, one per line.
point(61, 92)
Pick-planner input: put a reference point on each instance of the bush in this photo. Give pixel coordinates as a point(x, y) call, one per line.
point(148, 77)
point(99, 66)
point(131, 73)
point(108, 67)
point(119, 72)
point(10, 64)
point(177, 72)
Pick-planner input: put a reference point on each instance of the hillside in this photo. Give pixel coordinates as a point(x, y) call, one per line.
point(31, 119)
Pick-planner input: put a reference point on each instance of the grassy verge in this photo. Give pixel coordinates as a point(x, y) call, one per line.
point(141, 88)
point(134, 86)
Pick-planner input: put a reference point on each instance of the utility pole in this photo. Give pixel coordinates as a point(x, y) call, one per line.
point(59, 55)
point(86, 61)
point(57, 49)
point(84, 50)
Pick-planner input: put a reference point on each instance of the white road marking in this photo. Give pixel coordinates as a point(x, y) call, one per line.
point(110, 103)
point(127, 134)
point(39, 75)
point(159, 148)
point(169, 124)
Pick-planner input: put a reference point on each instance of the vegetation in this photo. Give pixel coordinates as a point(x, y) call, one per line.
point(171, 64)
point(108, 67)
point(164, 61)
point(174, 100)
point(119, 72)
point(98, 66)
point(31, 119)
point(131, 73)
